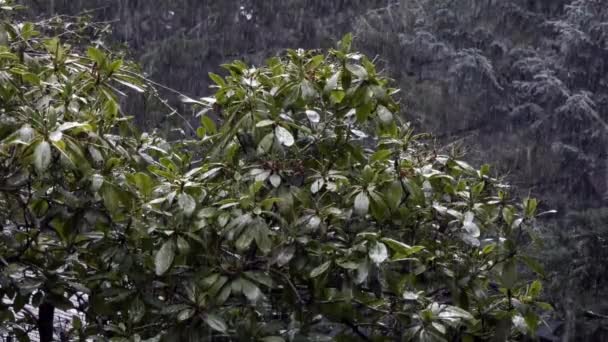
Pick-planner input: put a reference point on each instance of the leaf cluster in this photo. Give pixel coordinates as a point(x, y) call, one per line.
point(304, 210)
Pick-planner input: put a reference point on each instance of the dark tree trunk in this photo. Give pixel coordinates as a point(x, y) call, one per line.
point(46, 315)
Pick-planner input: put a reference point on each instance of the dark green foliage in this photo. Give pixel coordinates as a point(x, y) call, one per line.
point(304, 210)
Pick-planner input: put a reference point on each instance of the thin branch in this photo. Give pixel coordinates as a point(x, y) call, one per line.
point(291, 285)
point(355, 329)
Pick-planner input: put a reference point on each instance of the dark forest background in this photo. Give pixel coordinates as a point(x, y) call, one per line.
point(521, 83)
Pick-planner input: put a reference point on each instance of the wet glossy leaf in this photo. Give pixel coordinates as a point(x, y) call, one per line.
point(317, 271)
point(361, 204)
point(185, 315)
point(285, 255)
point(42, 156)
point(284, 136)
point(313, 116)
point(272, 339)
point(216, 322)
point(378, 252)
point(186, 203)
point(469, 225)
point(164, 257)
point(275, 180)
point(250, 290)
point(317, 185)
point(384, 114)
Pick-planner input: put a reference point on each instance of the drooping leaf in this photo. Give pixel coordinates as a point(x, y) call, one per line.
point(378, 252)
point(272, 339)
point(401, 248)
point(454, 313)
point(275, 180)
point(469, 225)
point(317, 271)
point(262, 239)
point(164, 257)
point(284, 136)
point(186, 203)
point(250, 290)
point(245, 239)
point(361, 203)
point(285, 255)
point(313, 116)
point(384, 114)
point(216, 323)
point(185, 315)
point(42, 156)
point(317, 185)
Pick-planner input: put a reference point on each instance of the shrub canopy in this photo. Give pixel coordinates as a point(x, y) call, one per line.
point(303, 210)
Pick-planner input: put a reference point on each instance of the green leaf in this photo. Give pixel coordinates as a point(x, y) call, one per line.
point(313, 116)
point(394, 195)
point(285, 255)
point(223, 295)
point(115, 66)
point(378, 253)
point(530, 205)
point(54, 47)
point(337, 96)
point(465, 166)
point(209, 124)
point(469, 225)
point(275, 180)
point(363, 111)
point(358, 71)
point(250, 290)
point(535, 289)
point(265, 145)
point(137, 310)
point(284, 136)
point(401, 248)
point(346, 43)
point(265, 123)
point(317, 185)
point(201, 132)
point(245, 239)
point(452, 313)
point(508, 215)
point(55, 136)
point(508, 275)
point(361, 204)
point(42, 156)
point(217, 79)
point(262, 239)
point(96, 55)
point(519, 323)
point(272, 339)
point(183, 246)
point(533, 264)
point(381, 156)
point(185, 315)
point(307, 90)
point(186, 203)
point(488, 249)
point(261, 278)
point(317, 271)
point(532, 321)
point(332, 83)
point(164, 257)
point(416, 193)
point(130, 85)
point(144, 183)
point(216, 323)
point(110, 197)
point(385, 115)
